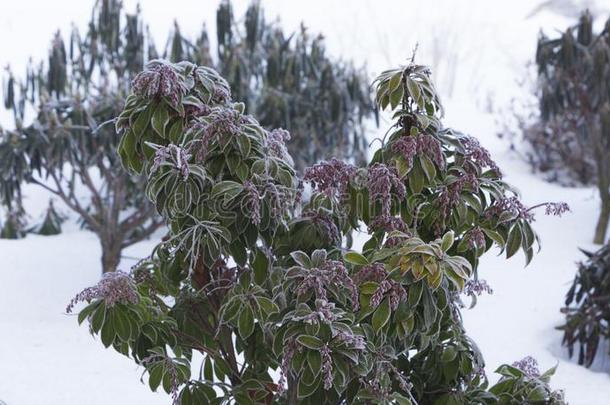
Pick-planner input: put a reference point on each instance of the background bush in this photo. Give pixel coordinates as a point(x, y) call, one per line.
point(588, 307)
point(288, 81)
point(71, 144)
point(570, 137)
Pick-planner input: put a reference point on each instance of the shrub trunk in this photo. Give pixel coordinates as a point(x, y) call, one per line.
point(111, 254)
point(602, 222)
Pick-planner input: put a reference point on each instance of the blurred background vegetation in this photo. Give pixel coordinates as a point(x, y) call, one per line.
point(69, 148)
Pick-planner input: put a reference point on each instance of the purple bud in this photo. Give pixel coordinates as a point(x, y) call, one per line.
point(330, 177)
point(388, 224)
point(195, 111)
point(178, 157)
point(431, 147)
point(172, 372)
point(556, 208)
point(219, 125)
point(529, 366)
point(159, 80)
point(325, 224)
point(477, 287)
point(381, 180)
point(355, 341)
point(406, 146)
point(371, 272)
point(393, 290)
point(449, 198)
point(276, 143)
point(222, 94)
point(329, 273)
point(476, 238)
point(114, 287)
point(327, 367)
point(290, 349)
point(424, 145)
point(512, 205)
point(474, 152)
point(251, 202)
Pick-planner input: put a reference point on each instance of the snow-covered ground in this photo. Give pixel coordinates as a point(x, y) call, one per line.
point(479, 49)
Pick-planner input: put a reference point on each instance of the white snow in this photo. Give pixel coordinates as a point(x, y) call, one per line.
point(45, 358)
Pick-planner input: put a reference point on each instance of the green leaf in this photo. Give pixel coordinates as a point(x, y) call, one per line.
point(260, 266)
point(243, 144)
point(514, 241)
point(231, 309)
point(447, 241)
point(529, 255)
point(402, 166)
point(448, 354)
point(108, 332)
point(127, 152)
point(315, 361)
point(401, 400)
point(128, 143)
point(141, 122)
point(430, 309)
point(538, 394)
point(227, 189)
point(509, 371)
point(267, 306)
point(246, 322)
point(311, 342)
point(369, 287)
point(88, 310)
point(381, 316)
point(549, 373)
point(185, 396)
point(414, 293)
point(396, 97)
point(395, 81)
point(473, 202)
point(416, 178)
point(98, 317)
point(450, 370)
point(304, 390)
point(495, 236)
point(318, 257)
point(242, 171)
point(166, 381)
point(355, 258)
point(278, 341)
point(414, 91)
point(221, 368)
point(238, 251)
point(528, 236)
point(428, 167)
point(155, 374)
point(175, 131)
point(159, 119)
point(371, 244)
point(301, 258)
point(308, 376)
point(503, 386)
point(208, 370)
point(121, 324)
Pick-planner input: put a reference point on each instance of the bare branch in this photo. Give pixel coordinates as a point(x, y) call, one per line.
point(72, 202)
point(137, 218)
point(149, 230)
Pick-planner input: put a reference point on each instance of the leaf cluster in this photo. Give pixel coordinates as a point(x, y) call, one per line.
point(569, 133)
point(586, 307)
point(255, 278)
